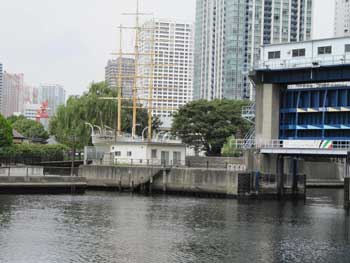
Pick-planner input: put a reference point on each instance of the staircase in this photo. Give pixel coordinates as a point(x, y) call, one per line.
point(248, 113)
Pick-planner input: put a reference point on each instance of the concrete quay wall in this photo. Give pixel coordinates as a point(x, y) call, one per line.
point(186, 180)
point(117, 176)
point(196, 180)
point(41, 184)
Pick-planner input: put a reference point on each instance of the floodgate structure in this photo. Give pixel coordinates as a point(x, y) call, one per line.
point(302, 108)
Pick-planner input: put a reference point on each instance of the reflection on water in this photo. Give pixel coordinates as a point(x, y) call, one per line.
point(112, 227)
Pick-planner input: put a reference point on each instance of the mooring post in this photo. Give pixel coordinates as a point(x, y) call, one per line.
point(280, 176)
point(347, 183)
point(164, 179)
point(295, 176)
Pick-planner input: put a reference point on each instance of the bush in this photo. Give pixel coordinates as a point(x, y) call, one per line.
point(34, 151)
point(5, 132)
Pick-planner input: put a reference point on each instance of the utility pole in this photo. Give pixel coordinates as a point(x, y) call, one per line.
point(120, 83)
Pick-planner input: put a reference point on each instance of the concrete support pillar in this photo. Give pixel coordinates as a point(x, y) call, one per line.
point(295, 175)
point(164, 180)
point(267, 112)
point(347, 183)
point(280, 176)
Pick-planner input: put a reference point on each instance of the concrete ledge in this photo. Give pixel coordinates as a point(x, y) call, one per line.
point(44, 184)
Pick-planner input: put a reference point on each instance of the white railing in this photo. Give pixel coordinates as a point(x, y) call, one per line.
point(248, 112)
point(279, 144)
point(302, 62)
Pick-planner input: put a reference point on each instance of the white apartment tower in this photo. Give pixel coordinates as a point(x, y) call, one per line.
point(342, 18)
point(172, 43)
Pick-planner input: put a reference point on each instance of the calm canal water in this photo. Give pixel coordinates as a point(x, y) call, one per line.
point(112, 227)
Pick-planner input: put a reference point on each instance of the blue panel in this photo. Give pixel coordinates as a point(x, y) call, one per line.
point(315, 113)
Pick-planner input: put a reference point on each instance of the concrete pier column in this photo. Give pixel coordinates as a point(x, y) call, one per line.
point(164, 180)
point(267, 112)
point(280, 176)
point(347, 182)
point(295, 176)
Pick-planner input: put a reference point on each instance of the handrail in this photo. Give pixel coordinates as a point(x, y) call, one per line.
point(279, 144)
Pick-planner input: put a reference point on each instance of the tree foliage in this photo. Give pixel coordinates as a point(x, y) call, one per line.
point(26, 150)
point(229, 149)
point(206, 125)
point(29, 128)
point(5, 132)
point(70, 120)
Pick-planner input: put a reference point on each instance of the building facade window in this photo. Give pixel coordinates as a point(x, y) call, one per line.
point(274, 54)
point(347, 47)
point(154, 154)
point(129, 154)
point(118, 154)
point(325, 50)
point(298, 52)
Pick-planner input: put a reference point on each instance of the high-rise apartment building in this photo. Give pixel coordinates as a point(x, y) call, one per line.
point(342, 18)
point(1, 87)
point(127, 66)
point(228, 37)
point(54, 94)
point(13, 91)
point(171, 66)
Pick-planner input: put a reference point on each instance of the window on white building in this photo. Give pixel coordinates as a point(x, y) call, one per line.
point(274, 54)
point(298, 52)
point(347, 47)
point(325, 50)
point(118, 154)
point(129, 154)
point(154, 154)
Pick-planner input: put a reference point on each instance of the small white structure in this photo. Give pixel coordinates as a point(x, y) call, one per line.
point(149, 153)
point(314, 53)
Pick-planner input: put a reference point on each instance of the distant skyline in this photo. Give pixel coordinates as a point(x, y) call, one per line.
point(69, 42)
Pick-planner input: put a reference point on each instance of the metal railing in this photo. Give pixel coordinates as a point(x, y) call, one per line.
point(248, 112)
point(37, 171)
point(159, 163)
point(275, 144)
point(302, 62)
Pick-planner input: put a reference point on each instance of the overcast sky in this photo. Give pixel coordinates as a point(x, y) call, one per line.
point(69, 41)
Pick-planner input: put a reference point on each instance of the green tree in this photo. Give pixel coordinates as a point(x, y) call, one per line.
point(5, 132)
point(12, 119)
point(229, 149)
point(206, 125)
point(30, 129)
point(70, 120)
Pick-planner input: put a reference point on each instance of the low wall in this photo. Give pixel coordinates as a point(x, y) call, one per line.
point(22, 171)
point(213, 162)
